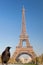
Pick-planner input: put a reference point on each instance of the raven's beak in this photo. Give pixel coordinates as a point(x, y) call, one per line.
point(10, 47)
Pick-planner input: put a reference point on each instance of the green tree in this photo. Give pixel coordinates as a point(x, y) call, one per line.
point(42, 58)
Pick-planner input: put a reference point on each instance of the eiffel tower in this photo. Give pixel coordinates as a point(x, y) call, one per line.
point(24, 37)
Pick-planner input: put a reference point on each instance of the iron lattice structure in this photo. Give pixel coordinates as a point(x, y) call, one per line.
point(24, 37)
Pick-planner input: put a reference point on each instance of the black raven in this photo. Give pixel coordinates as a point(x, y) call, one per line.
point(5, 56)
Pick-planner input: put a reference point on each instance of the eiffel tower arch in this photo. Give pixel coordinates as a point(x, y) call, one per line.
point(24, 37)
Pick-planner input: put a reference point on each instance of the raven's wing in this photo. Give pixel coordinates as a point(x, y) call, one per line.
point(8, 54)
point(3, 54)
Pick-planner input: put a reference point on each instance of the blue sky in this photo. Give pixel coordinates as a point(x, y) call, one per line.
point(11, 19)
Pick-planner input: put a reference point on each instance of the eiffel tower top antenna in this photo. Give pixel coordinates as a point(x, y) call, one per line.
point(23, 21)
